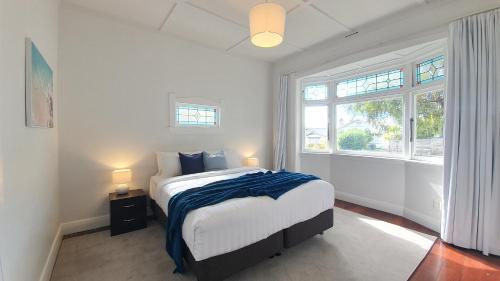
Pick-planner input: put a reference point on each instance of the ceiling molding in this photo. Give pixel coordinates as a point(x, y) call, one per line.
point(294, 8)
point(237, 44)
point(167, 16)
point(331, 17)
point(215, 14)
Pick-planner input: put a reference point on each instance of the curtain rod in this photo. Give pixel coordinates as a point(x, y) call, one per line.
point(477, 13)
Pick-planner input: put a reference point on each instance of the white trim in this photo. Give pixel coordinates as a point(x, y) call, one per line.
point(371, 203)
point(425, 220)
point(69, 228)
point(494, 251)
point(84, 224)
point(51, 258)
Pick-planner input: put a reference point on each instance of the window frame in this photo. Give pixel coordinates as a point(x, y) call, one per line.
point(408, 93)
point(174, 100)
point(419, 88)
point(398, 94)
point(310, 103)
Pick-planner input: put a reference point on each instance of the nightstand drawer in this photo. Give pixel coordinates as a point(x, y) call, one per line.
point(129, 208)
point(119, 226)
point(128, 202)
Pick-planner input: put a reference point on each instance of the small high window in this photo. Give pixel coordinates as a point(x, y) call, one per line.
point(430, 70)
point(316, 92)
point(194, 112)
point(383, 81)
point(195, 115)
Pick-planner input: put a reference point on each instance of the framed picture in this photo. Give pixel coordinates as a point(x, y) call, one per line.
point(39, 89)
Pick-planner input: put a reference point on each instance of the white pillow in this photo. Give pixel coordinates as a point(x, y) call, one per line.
point(233, 159)
point(168, 164)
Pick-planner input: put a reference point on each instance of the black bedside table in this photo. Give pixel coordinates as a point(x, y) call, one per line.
point(127, 211)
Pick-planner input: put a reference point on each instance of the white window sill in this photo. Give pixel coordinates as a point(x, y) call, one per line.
point(316, 153)
point(424, 162)
point(375, 157)
point(195, 130)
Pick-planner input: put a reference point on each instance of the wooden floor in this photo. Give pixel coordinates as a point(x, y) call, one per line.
point(443, 262)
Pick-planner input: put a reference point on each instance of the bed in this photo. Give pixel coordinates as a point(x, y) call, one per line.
point(227, 237)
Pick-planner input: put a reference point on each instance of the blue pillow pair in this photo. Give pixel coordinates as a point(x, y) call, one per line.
point(201, 162)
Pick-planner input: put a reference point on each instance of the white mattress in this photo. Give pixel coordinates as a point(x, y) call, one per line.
point(236, 223)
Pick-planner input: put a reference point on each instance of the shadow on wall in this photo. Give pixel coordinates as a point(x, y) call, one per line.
point(86, 182)
point(86, 176)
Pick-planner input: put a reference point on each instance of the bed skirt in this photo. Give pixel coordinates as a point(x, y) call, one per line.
point(222, 266)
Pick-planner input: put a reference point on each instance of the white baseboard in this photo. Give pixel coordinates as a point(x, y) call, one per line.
point(425, 220)
point(84, 224)
point(69, 228)
point(51, 258)
point(371, 203)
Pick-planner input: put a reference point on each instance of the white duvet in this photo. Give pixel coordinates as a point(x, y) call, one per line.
point(236, 223)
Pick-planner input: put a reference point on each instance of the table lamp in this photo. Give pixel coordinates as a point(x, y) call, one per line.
point(253, 162)
point(121, 178)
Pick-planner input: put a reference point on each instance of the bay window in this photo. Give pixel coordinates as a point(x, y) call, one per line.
point(393, 111)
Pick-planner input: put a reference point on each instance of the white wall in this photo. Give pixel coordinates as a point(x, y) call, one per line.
point(114, 112)
point(406, 188)
point(374, 182)
point(424, 193)
point(29, 195)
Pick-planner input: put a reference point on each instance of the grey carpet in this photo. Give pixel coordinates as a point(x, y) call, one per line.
point(357, 248)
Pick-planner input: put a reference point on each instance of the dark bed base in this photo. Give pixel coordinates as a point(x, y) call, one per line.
point(222, 266)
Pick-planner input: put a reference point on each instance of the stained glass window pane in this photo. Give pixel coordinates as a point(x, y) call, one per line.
point(430, 70)
point(379, 82)
point(195, 115)
point(316, 92)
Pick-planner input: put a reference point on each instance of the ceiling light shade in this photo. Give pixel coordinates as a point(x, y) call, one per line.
point(267, 25)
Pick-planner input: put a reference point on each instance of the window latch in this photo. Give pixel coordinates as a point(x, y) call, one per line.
point(411, 129)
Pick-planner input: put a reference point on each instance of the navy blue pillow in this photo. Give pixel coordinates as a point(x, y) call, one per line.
point(191, 163)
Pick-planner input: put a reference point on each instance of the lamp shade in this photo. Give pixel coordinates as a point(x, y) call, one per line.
point(267, 25)
point(122, 176)
point(253, 162)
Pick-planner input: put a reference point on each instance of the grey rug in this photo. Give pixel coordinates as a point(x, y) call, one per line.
point(357, 248)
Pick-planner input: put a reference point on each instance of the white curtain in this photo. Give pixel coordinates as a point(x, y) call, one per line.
point(471, 213)
point(280, 125)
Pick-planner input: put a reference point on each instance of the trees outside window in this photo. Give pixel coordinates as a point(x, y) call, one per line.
point(396, 111)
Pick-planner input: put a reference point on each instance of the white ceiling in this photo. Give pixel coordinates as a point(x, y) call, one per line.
point(223, 24)
point(395, 57)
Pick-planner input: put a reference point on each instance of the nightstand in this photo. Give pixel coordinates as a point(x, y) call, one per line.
point(127, 211)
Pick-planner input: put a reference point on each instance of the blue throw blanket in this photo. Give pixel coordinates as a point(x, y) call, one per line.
point(257, 184)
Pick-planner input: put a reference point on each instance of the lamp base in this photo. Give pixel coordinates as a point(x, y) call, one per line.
point(122, 190)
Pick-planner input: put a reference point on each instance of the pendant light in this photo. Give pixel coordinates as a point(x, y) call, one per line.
point(267, 25)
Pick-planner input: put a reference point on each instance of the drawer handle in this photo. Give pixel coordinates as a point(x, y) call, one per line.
point(129, 220)
point(129, 206)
